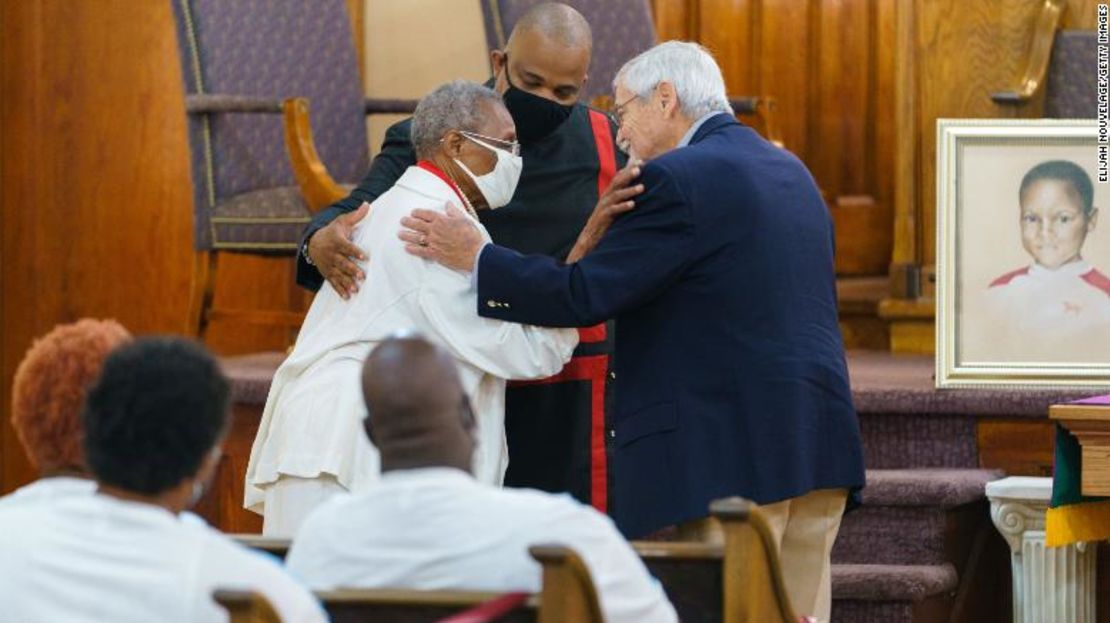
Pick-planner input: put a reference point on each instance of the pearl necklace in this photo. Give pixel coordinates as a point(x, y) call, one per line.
point(466, 202)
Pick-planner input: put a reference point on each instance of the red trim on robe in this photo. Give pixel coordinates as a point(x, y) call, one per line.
point(436, 171)
point(606, 154)
point(1010, 276)
point(593, 368)
point(599, 466)
point(1097, 279)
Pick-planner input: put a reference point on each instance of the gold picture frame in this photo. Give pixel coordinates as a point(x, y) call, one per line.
point(1020, 297)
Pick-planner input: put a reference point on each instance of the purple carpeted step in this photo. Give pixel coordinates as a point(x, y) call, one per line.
point(251, 375)
point(926, 487)
point(888, 593)
point(908, 440)
point(891, 582)
point(909, 517)
point(906, 422)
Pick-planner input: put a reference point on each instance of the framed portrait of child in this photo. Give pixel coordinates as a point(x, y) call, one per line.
point(1023, 262)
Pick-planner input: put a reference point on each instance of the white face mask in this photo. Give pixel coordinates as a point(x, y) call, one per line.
point(498, 185)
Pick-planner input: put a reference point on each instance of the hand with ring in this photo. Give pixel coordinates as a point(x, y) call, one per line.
point(448, 237)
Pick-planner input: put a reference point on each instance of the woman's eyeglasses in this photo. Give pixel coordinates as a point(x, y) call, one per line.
point(513, 147)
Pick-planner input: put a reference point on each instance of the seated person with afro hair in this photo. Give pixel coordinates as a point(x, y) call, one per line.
point(154, 424)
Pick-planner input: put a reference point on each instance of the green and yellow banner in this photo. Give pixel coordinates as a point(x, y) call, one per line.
point(1073, 517)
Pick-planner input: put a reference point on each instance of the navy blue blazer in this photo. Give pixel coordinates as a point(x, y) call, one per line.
point(730, 371)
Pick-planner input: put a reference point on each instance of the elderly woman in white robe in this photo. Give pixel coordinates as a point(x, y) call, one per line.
point(310, 443)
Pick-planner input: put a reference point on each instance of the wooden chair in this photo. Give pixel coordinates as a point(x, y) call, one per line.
point(568, 594)
point(246, 606)
point(1040, 51)
point(258, 172)
point(274, 546)
point(1060, 63)
point(622, 29)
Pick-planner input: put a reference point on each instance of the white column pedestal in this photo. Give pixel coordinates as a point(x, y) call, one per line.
point(1051, 584)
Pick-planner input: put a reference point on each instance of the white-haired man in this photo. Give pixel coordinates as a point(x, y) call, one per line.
point(730, 370)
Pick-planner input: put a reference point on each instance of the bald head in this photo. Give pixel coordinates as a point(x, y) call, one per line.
point(416, 405)
point(556, 21)
point(547, 55)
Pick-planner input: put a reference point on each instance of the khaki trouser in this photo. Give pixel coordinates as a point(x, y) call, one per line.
point(804, 529)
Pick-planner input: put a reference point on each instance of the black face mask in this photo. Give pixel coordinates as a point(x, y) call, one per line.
point(535, 117)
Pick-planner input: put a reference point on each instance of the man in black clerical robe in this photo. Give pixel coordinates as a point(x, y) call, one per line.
point(555, 427)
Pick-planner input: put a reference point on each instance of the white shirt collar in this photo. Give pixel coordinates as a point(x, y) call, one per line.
point(689, 136)
point(1071, 269)
point(52, 488)
point(427, 474)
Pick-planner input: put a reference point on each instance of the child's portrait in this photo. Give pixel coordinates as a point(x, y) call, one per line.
point(1031, 256)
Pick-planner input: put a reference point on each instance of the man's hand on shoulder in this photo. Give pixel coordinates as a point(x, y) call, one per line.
point(450, 239)
point(331, 251)
point(616, 200)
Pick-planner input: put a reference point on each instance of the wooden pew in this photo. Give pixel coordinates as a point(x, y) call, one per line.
point(738, 582)
point(568, 594)
point(396, 606)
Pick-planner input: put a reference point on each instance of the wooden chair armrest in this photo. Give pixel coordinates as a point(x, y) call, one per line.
point(275, 546)
point(1040, 50)
point(765, 109)
point(604, 103)
point(751, 565)
point(214, 103)
point(384, 106)
point(318, 187)
point(568, 593)
point(246, 606)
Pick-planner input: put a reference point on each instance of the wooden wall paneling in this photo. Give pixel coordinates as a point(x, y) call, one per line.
point(840, 76)
point(247, 281)
point(830, 68)
point(1017, 447)
point(904, 255)
point(971, 56)
point(675, 19)
point(950, 56)
point(95, 201)
point(730, 30)
point(356, 12)
point(883, 113)
point(843, 130)
point(785, 66)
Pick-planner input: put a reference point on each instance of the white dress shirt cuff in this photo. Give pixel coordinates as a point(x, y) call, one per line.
point(474, 271)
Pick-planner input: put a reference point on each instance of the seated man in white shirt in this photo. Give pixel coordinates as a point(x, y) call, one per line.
point(428, 524)
point(48, 393)
point(154, 422)
point(309, 443)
